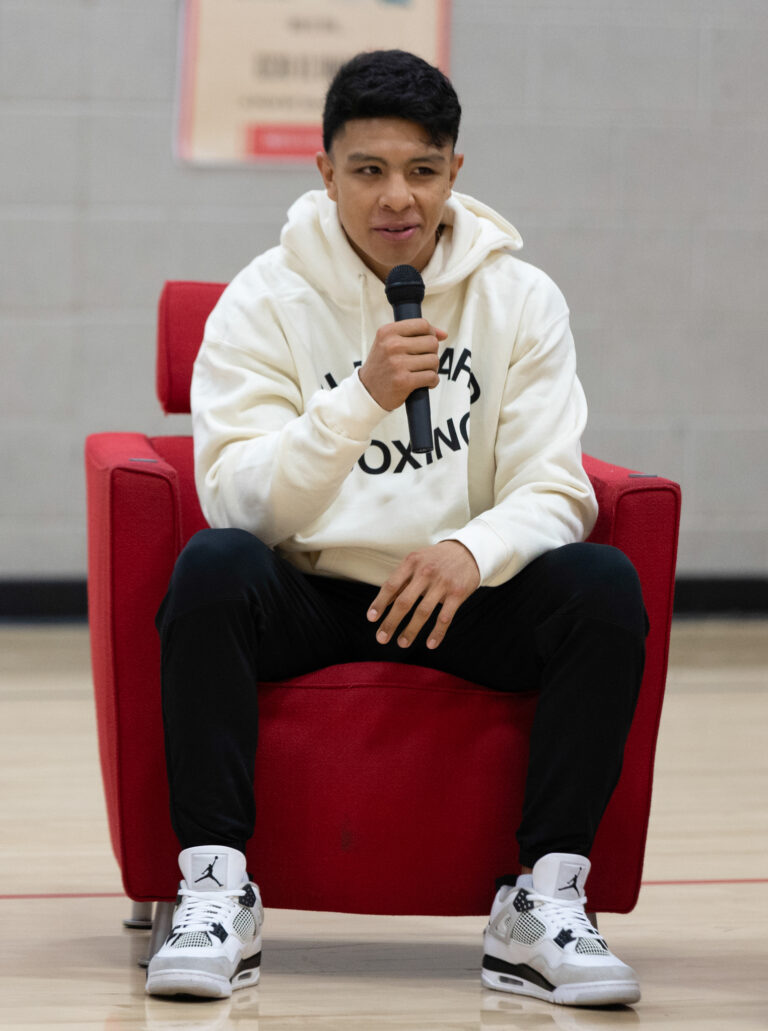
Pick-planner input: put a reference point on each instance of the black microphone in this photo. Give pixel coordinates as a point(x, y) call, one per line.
point(405, 292)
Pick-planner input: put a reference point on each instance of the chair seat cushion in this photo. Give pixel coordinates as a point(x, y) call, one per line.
point(387, 770)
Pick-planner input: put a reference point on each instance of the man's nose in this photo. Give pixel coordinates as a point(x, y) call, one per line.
point(396, 194)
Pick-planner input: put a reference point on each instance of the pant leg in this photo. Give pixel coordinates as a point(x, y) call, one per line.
point(592, 649)
point(235, 613)
point(572, 627)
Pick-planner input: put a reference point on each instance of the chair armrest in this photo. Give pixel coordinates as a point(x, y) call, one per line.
point(639, 514)
point(133, 540)
point(133, 520)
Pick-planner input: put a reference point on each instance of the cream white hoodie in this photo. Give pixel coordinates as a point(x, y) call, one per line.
point(290, 446)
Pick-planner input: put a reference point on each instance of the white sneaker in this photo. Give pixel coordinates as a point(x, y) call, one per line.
point(539, 941)
point(215, 942)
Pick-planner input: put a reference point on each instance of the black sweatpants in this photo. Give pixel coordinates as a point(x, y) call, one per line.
point(571, 625)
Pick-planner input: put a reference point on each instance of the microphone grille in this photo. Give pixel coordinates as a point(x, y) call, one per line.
point(403, 285)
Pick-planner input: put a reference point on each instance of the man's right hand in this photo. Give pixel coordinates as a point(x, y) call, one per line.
point(403, 358)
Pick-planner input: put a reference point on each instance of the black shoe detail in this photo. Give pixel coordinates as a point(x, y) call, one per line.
point(219, 931)
point(564, 937)
point(248, 897)
point(519, 970)
point(521, 902)
point(249, 964)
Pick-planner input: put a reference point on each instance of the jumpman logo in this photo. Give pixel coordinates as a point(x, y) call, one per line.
point(208, 873)
point(572, 883)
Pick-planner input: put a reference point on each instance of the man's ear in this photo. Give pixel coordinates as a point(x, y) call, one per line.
point(456, 162)
point(328, 172)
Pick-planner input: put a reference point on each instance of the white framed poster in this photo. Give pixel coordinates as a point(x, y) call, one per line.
point(253, 73)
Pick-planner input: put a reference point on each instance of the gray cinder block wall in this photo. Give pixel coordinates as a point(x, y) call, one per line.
point(627, 141)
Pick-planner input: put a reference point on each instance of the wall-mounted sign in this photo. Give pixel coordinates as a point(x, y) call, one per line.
point(254, 72)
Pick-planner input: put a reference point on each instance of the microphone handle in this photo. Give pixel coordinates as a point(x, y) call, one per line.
point(406, 310)
point(419, 420)
point(417, 403)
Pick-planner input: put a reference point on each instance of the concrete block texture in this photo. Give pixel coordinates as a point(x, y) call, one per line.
point(124, 257)
point(739, 81)
point(44, 49)
point(628, 142)
point(38, 378)
point(729, 464)
point(42, 469)
point(725, 552)
point(128, 46)
point(37, 260)
point(46, 548)
point(41, 160)
point(617, 73)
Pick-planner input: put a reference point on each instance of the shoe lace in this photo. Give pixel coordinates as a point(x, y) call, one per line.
point(569, 913)
point(200, 910)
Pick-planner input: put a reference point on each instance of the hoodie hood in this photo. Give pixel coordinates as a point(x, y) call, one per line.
point(472, 231)
point(316, 246)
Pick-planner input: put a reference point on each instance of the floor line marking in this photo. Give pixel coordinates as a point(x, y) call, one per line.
point(724, 880)
point(69, 895)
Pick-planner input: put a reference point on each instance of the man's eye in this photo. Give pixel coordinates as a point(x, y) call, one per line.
point(424, 170)
point(368, 170)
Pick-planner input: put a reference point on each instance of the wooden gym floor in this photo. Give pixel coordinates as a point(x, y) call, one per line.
point(698, 937)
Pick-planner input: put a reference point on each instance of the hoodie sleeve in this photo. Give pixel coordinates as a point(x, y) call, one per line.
point(265, 461)
point(542, 496)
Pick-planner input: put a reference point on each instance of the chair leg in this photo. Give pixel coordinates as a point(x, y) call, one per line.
point(140, 918)
point(161, 926)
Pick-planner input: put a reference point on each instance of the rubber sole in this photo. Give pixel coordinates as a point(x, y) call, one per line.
point(184, 981)
point(587, 993)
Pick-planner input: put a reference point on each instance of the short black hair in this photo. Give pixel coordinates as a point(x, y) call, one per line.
point(392, 84)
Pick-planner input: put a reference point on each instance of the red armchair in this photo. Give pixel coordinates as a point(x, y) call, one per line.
point(358, 810)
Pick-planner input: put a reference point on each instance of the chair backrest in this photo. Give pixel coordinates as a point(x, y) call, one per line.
point(182, 314)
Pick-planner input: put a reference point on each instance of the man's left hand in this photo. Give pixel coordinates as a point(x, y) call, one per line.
point(444, 574)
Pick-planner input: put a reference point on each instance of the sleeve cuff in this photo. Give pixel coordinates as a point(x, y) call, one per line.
point(348, 409)
point(488, 549)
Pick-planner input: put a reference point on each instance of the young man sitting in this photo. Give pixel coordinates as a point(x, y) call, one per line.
point(332, 541)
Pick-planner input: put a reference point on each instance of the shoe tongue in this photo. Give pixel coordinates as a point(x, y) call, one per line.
point(212, 869)
point(561, 875)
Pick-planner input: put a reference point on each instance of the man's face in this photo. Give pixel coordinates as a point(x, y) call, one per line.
point(390, 185)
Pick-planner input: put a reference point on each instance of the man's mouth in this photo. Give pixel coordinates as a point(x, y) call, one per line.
point(396, 232)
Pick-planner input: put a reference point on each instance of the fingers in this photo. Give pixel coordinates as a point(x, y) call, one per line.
point(421, 607)
point(410, 337)
point(448, 610)
point(403, 358)
point(414, 329)
point(404, 604)
point(435, 580)
point(389, 592)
